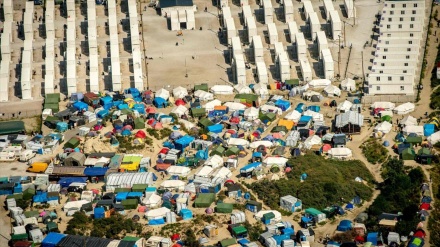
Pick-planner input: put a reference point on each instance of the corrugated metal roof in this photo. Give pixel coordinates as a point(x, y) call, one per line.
point(73, 240)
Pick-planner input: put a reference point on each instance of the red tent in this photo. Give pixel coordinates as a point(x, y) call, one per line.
point(425, 206)
point(150, 110)
point(326, 147)
point(175, 237)
point(158, 125)
point(179, 102)
point(140, 134)
point(164, 151)
point(235, 120)
point(420, 233)
point(151, 121)
point(229, 181)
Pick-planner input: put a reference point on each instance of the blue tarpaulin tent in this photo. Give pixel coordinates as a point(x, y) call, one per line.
point(41, 198)
point(283, 104)
point(80, 106)
point(300, 107)
point(52, 239)
point(160, 102)
point(344, 225)
point(99, 213)
point(95, 171)
point(134, 195)
point(123, 106)
point(186, 214)
point(121, 196)
point(62, 126)
point(126, 132)
point(140, 108)
point(314, 108)
point(118, 102)
point(66, 181)
point(155, 222)
point(76, 97)
point(184, 142)
point(133, 91)
point(102, 114)
point(305, 119)
point(106, 102)
point(372, 237)
point(428, 129)
point(216, 128)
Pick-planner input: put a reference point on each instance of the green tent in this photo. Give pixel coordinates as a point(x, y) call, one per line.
point(219, 150)
point(202, 86)
point(54, 97)
point(167, 204)
point(228, 242)
point(256, 204)
point(11, 127)
point(247, 98)
point(72, 143)
point(15, 196)
point(314, 212)
point(268, 216)
point(117, 190)
point(139, 187)
point(425, 151)
point(292, 83)
point(205, 122)
point(30, 214)
point(52, 227)
point(54, 106)
point(198, 112)
point(232, 151)
point(50, 100)
point(414, 139)
point(224, 208)
point(204, 200)
point(130, 239)
point(126, 111)
point(279, 129)
point(28, 194)
point(130, 203)
point(139, 123)
point(239, 231)
point(386, 118)
point(408, 154)
point(268, 117)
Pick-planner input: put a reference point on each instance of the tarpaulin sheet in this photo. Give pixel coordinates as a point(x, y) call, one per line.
point(66, 181)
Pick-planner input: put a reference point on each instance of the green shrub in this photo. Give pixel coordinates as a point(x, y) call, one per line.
point(374, 151)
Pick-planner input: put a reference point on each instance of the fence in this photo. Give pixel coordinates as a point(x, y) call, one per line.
point(369, 99)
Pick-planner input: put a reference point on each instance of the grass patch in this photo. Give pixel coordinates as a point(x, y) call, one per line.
point(327, 182)
point(374, 151)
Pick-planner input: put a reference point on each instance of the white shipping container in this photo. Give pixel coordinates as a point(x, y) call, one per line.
point(288, 11)
point(239, 69)
point(230, 30)
point(268, 11)
point(301, 46)
point(236, 46)
point(314, 25)
point(272, 32)
point(263, 76)
point(321, 41)
point(258, 50)
point(283, 66)
point(307, 8)
point(251, 27)
point(293, 30)
point(306, 69)
point(246, 13)
point(226, 13)
point(328, 64)
point(350, 9)
point(278, 48)
point(336, 25)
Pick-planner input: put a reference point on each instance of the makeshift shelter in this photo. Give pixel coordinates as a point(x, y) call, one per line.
point(242, 88)
point(418, 130)
point(139, 123)
point(179, 110)
point(198, 112)
point(72, 143)
point(160, 102)
point(209, 106)
point(184, 142)
point(253, 206)
point(179, 92)
point(349, 122)
point(203, 95)
point(290, 203)
point(222, 89)
point(332, 91)
point(203, 87)
point(291, 83)
point(340, 153)
point(345, 225)
point(434, 138)
point(384, 127)
point(345, 106)
point(75, 159)
point(387, 106)
point(408, 121)
point(204, 200)
point(180, 171)
point(408, 154)
point(424, 156)
point(293, 115)
point(261, 90)
point(251, 113)
point(348, 85)
point(163, 93)
point(224, 208)
point(404, 108)
point(428, 129)
point(247, 99)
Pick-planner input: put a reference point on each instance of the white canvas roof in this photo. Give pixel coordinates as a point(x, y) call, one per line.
point(261, 89)
point(384, 105)
point(255, 144)
point(315, 115)
point(223, 172)
point(179, 110)
point(384, 127)
point(214, 161)
point(173, 184)
point(279, 161)
point(188, 125)
point(251, 113)
point(408, 120)
point(120, 180)
point(74, 205)
point(293, 115)
point(157, 213)
point(162, 93)
point(203, 95)
point(434, 138)
point(332, 91)
point(270, 108)
point(180, 92)
point(340, 152)
point(345, 106)
point(241, 88)
point(178, 170)
point(348, 85)
point(319, 83)
point(413, 129)
point(260, 214)
point(237, 142)
point(312, 140)
point(235, 106)
point(152, 200)
point(209, 106)
point(205, 171)
point(404, 108)
point(222, 89)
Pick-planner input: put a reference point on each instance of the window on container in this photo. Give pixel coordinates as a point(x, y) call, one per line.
point(380, 71)
point(402, 12)
point(407, 56)
point(410, 42)
point(404, 5)
point(405, 71)
point(409, 49)
point(390, 19)
point(411, 25)
point(411, 35)
point(402, 78)
point(392, 5)
point(385, 50)
point(415, 5)
point(406, 64)
point(387, 42)
point(378, 88)
point(382, 64)
point(401, 18)
point(413, 18)
point(413, 12)
point(400, 25)
point(384, 57)
point(391, 12)
point(402, 88)
point(378, 78)
point(388, 26)
point(388, 35)
point(389, 78)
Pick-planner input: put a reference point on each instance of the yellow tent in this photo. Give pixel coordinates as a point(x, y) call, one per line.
point(286, 123)
point(130, 102)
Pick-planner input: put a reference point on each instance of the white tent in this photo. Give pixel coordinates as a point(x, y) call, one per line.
point(345, 106)
point(180, 92)
point(434, 138)
point(188, 125)
point(255, 144)
point(271, 108)
point(182, 171)
point(384, 127)
point(205, 171)
point(163, 93)
point(261, 90)
point(203, 95)
point(408, 121)
point(348, 85)
point(242, 88)
point(222, 89)
point(384, 105)
point(386, 113)
point(179, 110)
point(404, 108)
point(251, 113)
point(340, 153)
point(74, 205)
point(312, 140)
point(332, 91)
point(121, 180)
point(237, 142)
point(157, 213)
point(418, 130)
point(235, 106)
point(223, 173)
point(293, 115)
point(315, 115)
point(319, 83)
point(260, 214)
point(173, 184)
point(279, 161)
point(214, 161)
point(152, 200)
point(209, 106)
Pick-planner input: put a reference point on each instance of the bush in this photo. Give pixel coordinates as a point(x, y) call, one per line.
point(165, 133)
point(374, 151)
point(435, 100)
point(328, 181)
point(154, 133)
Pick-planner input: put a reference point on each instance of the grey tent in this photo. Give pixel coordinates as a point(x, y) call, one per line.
point(75, 159)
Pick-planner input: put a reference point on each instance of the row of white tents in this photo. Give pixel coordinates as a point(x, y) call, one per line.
point(6, 40)
point(49, 75)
